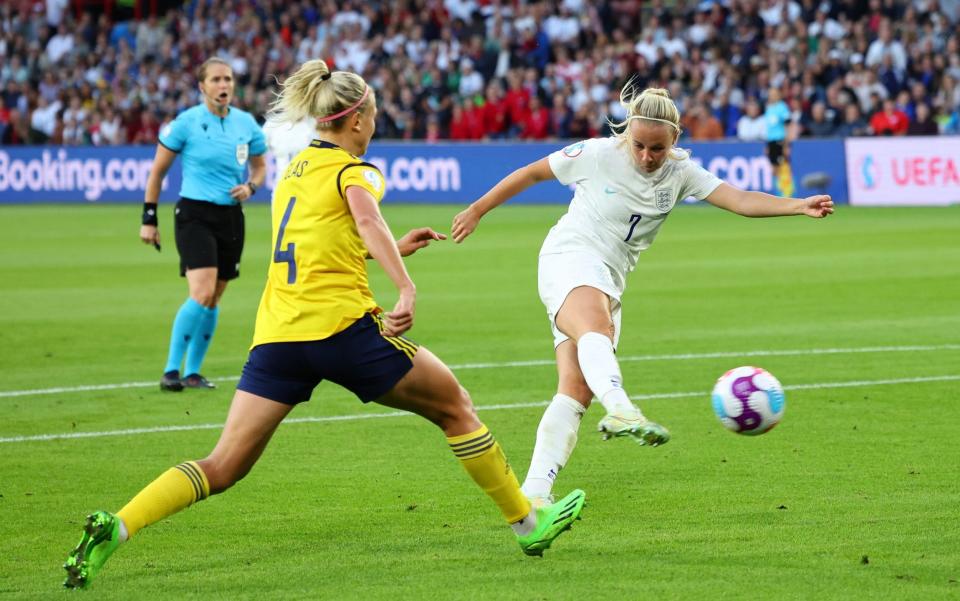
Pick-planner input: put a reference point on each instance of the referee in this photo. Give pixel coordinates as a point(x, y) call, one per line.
point(215, 142)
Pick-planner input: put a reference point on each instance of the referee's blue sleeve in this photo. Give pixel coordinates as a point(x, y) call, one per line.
point(258, 142)
point(174, 134)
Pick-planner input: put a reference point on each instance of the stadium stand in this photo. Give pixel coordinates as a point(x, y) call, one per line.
point(96, 73)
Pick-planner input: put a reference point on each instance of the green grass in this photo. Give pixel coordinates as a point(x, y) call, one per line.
point(853, 496)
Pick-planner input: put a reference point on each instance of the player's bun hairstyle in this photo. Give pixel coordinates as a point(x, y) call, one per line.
point(314, 91)
point(652, 104)
point(213, 60)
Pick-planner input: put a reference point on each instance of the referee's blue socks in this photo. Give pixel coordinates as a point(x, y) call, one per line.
point(184, 327)
point(197, 349)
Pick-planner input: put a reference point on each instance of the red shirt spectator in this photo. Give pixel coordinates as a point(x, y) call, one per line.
point(890, 121)
point(147, 131)
point(495, 112)
point(473, 119)
point(518, 100)
point(536, 123)
point(459, 130)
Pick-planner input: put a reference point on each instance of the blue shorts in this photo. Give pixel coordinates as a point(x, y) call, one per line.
point(359, 358)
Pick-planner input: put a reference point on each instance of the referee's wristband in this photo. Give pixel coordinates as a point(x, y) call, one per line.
point(149, 216)
point(253, 187)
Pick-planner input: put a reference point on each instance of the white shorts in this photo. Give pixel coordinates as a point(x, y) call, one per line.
point(560, 273)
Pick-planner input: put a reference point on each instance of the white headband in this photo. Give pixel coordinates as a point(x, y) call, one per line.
point(670, 123)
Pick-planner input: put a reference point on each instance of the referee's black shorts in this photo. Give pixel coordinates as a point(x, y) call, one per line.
point(775, 151)
point(360, 358)
point(209, 235)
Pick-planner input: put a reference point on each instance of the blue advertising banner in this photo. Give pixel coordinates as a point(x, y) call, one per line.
point(415, 172)
point(79, 174)
point(824, 156)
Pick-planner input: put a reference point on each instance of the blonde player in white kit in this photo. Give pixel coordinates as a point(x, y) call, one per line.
point(626, 186)
point(285, 140)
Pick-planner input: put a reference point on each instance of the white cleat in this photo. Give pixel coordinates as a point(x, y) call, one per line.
point(634, 425)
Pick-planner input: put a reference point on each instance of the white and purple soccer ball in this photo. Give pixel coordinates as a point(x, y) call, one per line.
point(748, 400)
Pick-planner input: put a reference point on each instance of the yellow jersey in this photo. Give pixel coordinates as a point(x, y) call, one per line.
point(317, 282)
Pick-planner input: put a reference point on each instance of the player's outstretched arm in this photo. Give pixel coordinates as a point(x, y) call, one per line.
point(416, 239)
point(760, 204)
point(382, 247)
point(467, 220)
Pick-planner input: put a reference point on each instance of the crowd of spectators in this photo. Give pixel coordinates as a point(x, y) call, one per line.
point(492, 69)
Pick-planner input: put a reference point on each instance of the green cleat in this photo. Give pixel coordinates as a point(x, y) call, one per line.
point(101, 537)
point(634, 425)
point(552, 521)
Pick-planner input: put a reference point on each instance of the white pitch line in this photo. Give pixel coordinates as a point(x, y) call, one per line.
point(543, 362)
point(362, 416)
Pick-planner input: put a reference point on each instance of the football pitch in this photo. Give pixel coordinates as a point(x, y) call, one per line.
point(854, 495)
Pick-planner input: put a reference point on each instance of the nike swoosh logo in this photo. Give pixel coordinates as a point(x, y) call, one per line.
point(609, 190)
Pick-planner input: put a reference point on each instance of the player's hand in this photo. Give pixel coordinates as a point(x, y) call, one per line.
point(463, 224)
point(400, 319)
point(149, 234)
point(416, 239)
point(240, 193)
point(818, 206)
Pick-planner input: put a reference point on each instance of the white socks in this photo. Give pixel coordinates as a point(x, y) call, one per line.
point(602, 372)
point(557, 433)
point(122, 535)
point(526, 525)
point(556, 438)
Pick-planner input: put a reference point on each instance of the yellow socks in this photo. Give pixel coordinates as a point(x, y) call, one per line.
point(175, 489)
point(483, 459)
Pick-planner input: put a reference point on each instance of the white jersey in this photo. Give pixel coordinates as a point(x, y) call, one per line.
point(285, 140)
point(617, 210)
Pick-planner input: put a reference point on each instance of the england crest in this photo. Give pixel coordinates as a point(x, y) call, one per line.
point(243, 153)
point(664, 199)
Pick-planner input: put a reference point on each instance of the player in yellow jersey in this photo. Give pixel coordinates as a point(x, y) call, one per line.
point(318, 321)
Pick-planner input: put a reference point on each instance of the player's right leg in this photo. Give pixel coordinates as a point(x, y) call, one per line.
point(430, 389)
point(586, 317)
point(250, 424)
point(557, 432)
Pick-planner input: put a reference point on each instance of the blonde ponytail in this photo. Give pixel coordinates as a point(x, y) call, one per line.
point(314, 91)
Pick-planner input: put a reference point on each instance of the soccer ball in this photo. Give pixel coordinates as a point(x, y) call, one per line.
point(748, 400)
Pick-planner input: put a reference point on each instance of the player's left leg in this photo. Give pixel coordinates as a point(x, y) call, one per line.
point(557, 432)
point(250, 424)
point(430, 389)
